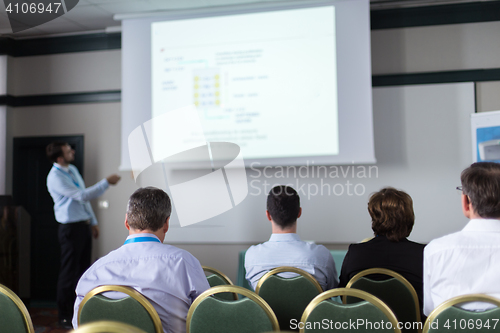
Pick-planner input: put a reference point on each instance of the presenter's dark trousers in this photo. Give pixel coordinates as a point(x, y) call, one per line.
point(76, 246)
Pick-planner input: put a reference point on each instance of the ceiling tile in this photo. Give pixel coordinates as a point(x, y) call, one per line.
point(86, 13)
point(128, 7)
point(4, 23)
point(24, 33)
point(99, 2)
point(178, 4)
point(60, 25)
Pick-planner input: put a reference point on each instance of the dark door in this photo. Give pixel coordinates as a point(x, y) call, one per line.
point(29, 190)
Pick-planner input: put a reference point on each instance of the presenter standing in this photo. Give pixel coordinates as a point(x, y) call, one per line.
point(78, 223)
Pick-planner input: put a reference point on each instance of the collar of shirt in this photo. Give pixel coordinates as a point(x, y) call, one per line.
point(491, 225)
point(64, 168)
point(141, 235)
point(291, 237)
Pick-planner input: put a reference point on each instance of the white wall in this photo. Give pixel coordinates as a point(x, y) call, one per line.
point(436, 48)
point(3, 148)
point(65, 73)
point(422, 49)
point(3, 124)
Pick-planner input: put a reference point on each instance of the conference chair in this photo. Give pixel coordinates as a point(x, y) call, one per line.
point(250, 314)
point(288, 297)
point(217, 278)
point(14, 316)
point(447, 317)
point(107, 327)
point(395, 291)
point(134, 309)
point(368, 316)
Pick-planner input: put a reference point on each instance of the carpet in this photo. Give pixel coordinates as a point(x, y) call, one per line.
point(45, 320)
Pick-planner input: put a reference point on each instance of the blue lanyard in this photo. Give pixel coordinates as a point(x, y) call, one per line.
point(69, 175)
point(142, 239)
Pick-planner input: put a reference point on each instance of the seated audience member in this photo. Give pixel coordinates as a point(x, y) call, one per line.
point(167, 276)
point(468, 261)
point(392, 217)
point(285, 248)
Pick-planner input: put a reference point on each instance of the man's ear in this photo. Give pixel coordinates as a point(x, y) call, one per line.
point(268, 216)
point(126, 223)
point(300, 212)
point(466, 206)
point(166, 225)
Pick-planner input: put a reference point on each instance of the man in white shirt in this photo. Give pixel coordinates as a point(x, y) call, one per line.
point(285, 248)
point(468, 261)
point(170, 278)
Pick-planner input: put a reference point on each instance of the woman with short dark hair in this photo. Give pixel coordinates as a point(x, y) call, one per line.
point(392, 217)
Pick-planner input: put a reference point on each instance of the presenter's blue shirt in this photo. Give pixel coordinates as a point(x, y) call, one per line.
point(71, 198)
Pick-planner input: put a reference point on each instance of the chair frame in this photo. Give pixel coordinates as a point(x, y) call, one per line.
point(130, 292)
point(232, 289)
point(393, 274)
point(457, 300)
point(354, 293)
point(290, 269)
point(107, 326)
point(20, 305)
point(222, 275)
point(217, 272)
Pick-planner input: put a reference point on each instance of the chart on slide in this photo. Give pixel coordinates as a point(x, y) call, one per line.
point(270, 88)
point(207, 92)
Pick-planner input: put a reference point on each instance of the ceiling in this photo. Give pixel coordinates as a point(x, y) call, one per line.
point(91, 16)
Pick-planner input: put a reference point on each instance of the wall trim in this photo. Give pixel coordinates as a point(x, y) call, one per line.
point(64, 44)
point(55, 99)
point(473, 75)
point(473, 12)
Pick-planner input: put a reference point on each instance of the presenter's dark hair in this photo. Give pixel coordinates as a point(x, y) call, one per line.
point(54, 150)
point(283, 204)
point(481, 183)
point(392, 214)
point(148, 208)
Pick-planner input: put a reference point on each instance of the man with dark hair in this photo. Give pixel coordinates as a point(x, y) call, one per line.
point(285, 248)
point(169, 277)
point(468, 261)
point(78, 223)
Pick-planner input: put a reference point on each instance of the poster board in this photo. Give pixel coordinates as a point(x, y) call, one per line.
point(485, 131)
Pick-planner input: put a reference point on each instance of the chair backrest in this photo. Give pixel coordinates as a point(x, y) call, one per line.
point(134, 309)
point(396, 292)
point(107, 326)
point(217, 278)
point(449, 318)
point(250, 314)
point(288, 297)
point(14, 316)
point(370, 315)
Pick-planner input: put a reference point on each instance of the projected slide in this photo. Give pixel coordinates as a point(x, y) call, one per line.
point(265, 81)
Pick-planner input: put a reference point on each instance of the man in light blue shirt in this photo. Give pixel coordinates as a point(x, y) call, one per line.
point(73, 211)
point(285, 248)
point(170, 278)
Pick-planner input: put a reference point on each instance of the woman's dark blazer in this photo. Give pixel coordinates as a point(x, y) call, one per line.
point(404, 257)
